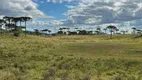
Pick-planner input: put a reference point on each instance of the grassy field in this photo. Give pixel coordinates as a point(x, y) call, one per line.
point(92, 57)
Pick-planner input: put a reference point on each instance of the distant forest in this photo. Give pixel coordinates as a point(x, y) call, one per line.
point(9, 25)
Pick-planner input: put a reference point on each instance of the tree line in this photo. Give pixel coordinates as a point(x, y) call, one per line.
point(11, 26)
point(111, 29)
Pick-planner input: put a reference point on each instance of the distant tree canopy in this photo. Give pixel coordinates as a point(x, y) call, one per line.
point(36, 31)
point(11, 24)
point(134, 30)
point(72, 33)
point(112, 29)
point(1, 23)
point(46, 30)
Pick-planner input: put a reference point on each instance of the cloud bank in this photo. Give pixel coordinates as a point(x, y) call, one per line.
point(105, 11)
point(20, 8)
point(100, 13)
point(88, 13)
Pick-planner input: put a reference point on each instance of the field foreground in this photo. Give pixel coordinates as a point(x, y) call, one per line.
point(71, 58)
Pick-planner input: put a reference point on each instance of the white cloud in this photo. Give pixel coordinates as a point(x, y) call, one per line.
point(98, 12)
point(87, 14)
point(53, 25)
point(90, 14)
point(48, 23)
point(20, 8)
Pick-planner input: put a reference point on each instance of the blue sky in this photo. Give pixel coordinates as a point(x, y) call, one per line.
point(84, 14)
point(54, 9)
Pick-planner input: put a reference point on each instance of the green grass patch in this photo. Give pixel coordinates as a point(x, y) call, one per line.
point(70, 58)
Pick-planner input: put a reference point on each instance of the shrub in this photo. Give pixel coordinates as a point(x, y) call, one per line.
point(4, 75)
point(49, 74)
point(17, 32)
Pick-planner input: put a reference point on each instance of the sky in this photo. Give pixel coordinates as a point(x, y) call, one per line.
point(82, 14)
